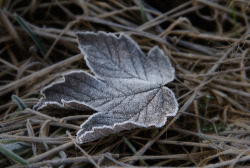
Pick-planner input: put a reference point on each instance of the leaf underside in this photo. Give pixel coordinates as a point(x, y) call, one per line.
point(127, 90)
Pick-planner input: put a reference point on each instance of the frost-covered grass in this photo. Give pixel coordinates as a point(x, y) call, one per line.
point(207, 43)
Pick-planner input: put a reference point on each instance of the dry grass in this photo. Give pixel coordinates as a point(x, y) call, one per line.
point(208, 43)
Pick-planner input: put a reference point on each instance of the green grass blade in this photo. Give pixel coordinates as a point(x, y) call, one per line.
point(9, 154)
point(203, 136)
point(132, 148)
point(234, 15)
point(19, 102)
point(31, 34)
point(143, 15)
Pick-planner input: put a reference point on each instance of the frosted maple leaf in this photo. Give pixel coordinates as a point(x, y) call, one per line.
point(127, 89)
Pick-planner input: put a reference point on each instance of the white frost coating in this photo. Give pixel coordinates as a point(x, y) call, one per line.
point(127, 90)
point(61, 104)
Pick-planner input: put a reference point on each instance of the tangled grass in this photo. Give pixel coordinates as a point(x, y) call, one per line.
point(208, 43)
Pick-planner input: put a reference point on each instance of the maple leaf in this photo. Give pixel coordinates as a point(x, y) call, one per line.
point(127, 89)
